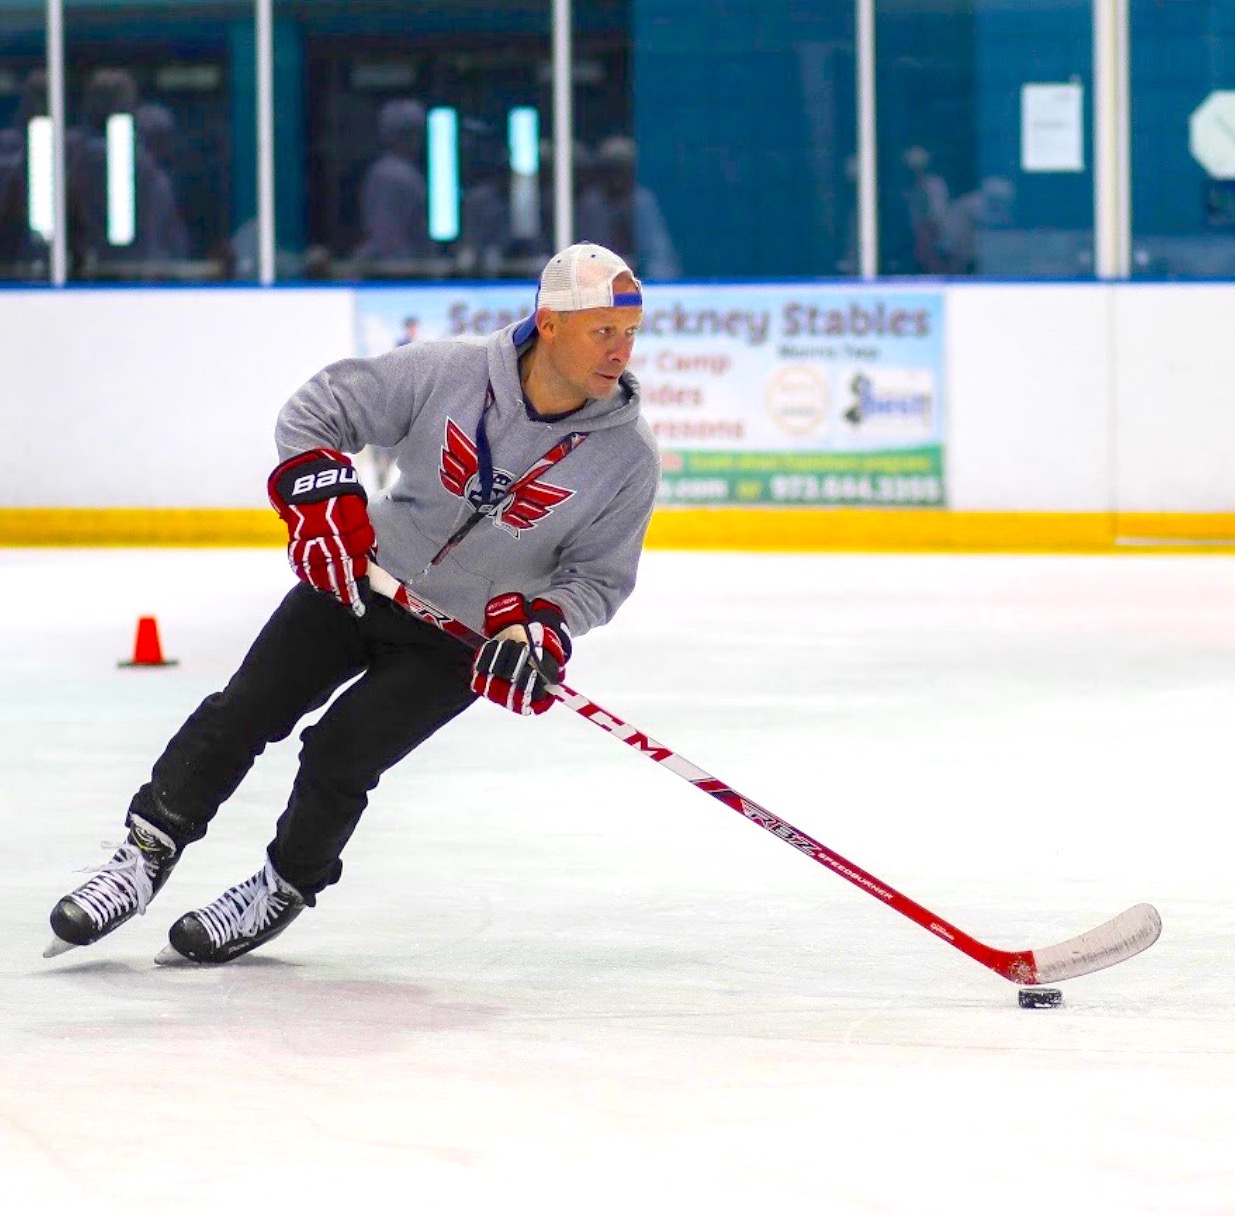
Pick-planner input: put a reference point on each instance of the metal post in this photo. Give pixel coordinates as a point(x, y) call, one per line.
point(55, 100)
point(264, 16)
point(868, 182)
point(563, 127)
point(1112, 203)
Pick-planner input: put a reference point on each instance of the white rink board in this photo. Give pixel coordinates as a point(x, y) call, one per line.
point(1028, 374)
point(1175, 382)
point(1075, 398)
point(155, 398)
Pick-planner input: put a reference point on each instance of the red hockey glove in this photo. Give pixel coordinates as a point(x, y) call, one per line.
point(319, 496)
point(527, 651)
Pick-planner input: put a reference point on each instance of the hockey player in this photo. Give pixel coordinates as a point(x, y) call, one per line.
point(526, 482)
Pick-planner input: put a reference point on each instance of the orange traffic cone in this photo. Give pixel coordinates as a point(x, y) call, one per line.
point(147, 650)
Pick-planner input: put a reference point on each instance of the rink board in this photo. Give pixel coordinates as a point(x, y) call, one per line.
point(783, 529)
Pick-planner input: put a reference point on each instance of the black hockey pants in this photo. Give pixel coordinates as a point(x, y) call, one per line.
point(415, 680)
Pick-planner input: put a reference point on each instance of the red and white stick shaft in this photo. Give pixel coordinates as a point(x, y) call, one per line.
point(1112, 942)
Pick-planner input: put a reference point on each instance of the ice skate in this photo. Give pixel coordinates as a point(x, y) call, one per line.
point(119, 890)
point(244, 917)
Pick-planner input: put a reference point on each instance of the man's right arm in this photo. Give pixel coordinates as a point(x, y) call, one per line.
point(349, 404)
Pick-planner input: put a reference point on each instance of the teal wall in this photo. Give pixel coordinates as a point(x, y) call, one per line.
point(744, 115)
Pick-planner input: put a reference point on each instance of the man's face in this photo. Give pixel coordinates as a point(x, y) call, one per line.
point(589, 350)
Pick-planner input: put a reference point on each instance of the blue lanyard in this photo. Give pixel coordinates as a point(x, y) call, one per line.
point(491, 498)
point(484, 453)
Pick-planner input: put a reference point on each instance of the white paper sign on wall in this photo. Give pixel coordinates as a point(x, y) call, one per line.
point(1052, 134)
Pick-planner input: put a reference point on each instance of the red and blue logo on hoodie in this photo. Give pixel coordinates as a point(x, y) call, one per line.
point(520, 510)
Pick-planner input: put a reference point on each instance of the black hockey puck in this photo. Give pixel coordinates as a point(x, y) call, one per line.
point(1039, 998)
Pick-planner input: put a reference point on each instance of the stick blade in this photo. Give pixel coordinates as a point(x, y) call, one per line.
point(1123, 937)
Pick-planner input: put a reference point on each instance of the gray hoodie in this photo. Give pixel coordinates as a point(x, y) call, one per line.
point(574, 536)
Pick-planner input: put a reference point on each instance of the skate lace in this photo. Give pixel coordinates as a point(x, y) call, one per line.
point(245, 909)
point(118, 886)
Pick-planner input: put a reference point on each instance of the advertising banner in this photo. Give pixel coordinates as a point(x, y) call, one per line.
point(391, 316)
point(790, 394)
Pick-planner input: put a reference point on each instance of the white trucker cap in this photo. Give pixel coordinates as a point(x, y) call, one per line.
point(581, 276)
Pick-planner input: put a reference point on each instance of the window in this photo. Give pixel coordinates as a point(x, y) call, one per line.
point(978, 174)
point(1183, 158)
point(25, 146)
point(157, 186)
point(421, 143)
point(747, 134)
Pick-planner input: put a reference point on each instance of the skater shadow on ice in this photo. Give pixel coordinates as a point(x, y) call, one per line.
point(264, 1003)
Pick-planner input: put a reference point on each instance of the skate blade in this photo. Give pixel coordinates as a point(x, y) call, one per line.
point(169, 956)
point(58, 946)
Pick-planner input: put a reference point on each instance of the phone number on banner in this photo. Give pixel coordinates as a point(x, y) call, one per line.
point(839, 489)
point(855, 487)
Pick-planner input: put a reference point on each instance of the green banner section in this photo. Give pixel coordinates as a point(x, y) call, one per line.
point(908, 478)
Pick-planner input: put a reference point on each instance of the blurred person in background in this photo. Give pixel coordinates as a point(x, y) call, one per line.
point(508, 222)
point(927, 200)
point(21, 248)
point(484, 228)
point(394, 199)
point(616, 211)
point(159, 235)
point(161, 231)
point(108, 91)
point(970, 215)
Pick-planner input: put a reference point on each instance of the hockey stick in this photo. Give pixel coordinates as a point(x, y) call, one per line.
point(1117, 939)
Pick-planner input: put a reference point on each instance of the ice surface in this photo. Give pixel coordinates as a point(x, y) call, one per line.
point(555, 978)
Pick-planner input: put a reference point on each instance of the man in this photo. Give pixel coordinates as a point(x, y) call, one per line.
point(393, 196)
point(527, 478)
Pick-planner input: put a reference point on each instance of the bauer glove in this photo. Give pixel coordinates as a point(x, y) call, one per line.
point(319, 496)
point(526, 652)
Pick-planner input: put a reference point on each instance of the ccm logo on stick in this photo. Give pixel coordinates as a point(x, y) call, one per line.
point(322, 481)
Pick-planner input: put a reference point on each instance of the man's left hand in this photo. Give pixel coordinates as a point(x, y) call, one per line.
point(526, 653)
